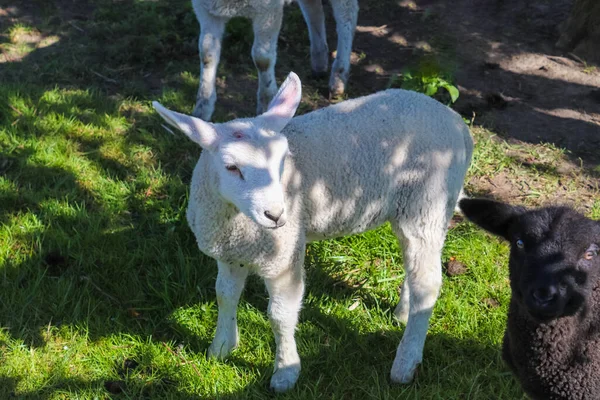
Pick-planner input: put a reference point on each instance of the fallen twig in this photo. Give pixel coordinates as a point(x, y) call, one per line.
point(75, 26)
point(89, 280)
point(106, 78)
point(370, 29)
point(168, 129)
point(183, 360)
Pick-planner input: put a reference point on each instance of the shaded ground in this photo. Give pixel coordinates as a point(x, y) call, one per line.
point(512, 79)
point(500, 53)
point(503, 58)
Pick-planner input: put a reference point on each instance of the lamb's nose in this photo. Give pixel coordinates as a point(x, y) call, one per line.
point(545, 295)
point(274, 215)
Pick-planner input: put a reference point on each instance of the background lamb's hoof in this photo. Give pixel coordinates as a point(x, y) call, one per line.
point(403, 373)
point(337, 82)
point(203, 110)
point(336, 88)
point(319, 62)
point(284, 379)
point(319, 74)
point(261, 108)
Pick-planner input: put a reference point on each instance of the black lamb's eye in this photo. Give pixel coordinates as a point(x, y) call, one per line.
point(590, 254)
point(520, 243)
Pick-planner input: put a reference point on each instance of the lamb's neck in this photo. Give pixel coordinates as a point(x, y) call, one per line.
point(566, 333)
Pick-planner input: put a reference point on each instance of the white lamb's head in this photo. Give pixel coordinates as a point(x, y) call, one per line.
point(249, 153)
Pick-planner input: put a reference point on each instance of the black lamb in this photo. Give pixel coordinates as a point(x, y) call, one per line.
point(552, 339)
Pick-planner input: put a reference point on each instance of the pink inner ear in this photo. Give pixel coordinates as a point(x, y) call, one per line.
point(238, 135)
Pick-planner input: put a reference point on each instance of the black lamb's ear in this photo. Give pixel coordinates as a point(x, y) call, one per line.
point(493, 216)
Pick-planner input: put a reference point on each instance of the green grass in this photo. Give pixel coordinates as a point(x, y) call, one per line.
point(103, 290)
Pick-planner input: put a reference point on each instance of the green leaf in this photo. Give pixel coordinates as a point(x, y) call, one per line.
point(431, 89)
point(452, 90)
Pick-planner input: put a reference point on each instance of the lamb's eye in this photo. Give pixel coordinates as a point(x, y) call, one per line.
point(520, 244)
point(590, 254)
point(234, 170)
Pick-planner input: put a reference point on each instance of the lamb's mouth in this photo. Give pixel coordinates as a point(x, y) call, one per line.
point(276, 226)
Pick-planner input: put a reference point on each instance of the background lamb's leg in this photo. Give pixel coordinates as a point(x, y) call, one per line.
point(315, 20)
point(403, 307)
point(230, 283)
point(264, 54)
point(346, 15)
point(209, 45)
point(422, 261)
point(286, 291)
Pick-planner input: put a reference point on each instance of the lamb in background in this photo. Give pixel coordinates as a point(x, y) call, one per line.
point(552, 339)
point(265, 186)
point(266, 18)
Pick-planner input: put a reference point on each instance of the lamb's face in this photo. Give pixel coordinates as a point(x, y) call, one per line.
point(554, 262)
point(250, 165)
point(248, 154)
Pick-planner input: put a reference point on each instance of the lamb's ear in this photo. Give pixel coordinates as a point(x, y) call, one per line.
point(283, 106)
point(203, 133)
point(493, 216)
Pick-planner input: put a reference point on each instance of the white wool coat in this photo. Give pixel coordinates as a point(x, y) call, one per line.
point(392, 156)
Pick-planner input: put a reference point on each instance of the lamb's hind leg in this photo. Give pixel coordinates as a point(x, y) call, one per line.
point(403, 307)
point(230, 283)
point(209, 46)
point(264, 53)
point(315, 20)
point(346, 15)
point(285, 299)
point(422, 262)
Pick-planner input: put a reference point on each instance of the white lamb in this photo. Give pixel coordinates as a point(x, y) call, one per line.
point(266, 18)
point(395, 156)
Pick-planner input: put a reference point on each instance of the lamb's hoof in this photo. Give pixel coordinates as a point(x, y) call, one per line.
point(263, 105)
point(337, 87)
point(319, 62)
point(203, 110)
point(260, 109)
point(319, 74)
point(220, 350)
point(404, 372)
point(285, 378)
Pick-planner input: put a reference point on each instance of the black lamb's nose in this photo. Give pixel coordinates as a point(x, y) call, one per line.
point(544, 295)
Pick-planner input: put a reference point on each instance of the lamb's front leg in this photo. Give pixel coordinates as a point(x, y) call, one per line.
point(264, 53)
point(230, 283)
point(285, 292)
